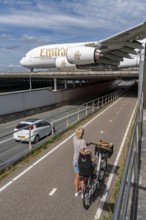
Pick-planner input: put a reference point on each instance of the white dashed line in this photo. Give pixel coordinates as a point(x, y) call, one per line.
point(52, 192)
point(6, 185)
point(6, 140)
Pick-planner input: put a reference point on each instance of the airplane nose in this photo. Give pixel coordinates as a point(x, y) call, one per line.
point(23, 61)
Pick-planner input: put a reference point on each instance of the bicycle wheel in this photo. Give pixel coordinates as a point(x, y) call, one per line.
point(86, 198)
point(103, 166)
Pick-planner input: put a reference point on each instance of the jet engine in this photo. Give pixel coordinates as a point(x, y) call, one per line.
point(83, 55)
point(61, 63)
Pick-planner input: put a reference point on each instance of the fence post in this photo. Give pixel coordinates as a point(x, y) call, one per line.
point(52, 125)
point(110, 97)
point(98, 103)
point(67, 120)
point(102, 102)
point(30, 145)
point(107, 98)
point(78, 113)
point(86, 109)
point(93, 107)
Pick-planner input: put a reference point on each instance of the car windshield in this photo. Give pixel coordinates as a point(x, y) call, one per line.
point(22, 125)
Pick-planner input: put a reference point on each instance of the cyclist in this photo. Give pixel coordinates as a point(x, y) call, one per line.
point(79, 147)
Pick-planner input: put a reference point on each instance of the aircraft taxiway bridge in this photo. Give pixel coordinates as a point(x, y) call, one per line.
point(78, 75)
point(25, 80)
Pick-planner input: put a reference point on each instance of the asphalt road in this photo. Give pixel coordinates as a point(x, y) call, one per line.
point(10, 150)
point(42, 188)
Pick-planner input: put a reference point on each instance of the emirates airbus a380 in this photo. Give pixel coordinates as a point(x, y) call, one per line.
point(111, 53)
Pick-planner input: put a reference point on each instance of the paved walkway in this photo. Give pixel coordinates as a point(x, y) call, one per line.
point(141, 215)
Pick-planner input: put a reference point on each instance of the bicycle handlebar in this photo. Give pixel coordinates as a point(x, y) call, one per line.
point(90, 143)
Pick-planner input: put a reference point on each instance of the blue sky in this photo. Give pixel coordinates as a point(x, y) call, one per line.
point(25, 24)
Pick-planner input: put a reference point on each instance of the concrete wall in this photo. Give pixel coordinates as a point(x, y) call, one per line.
point(17, 102)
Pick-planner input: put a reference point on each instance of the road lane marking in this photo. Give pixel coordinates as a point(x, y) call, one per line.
point(11, 126)
point(53, 192)
point(22, 173)
point(103, 199)
point(34, 164)
point(55, 148)
point(6, 140)
point(14, 179)
point(6, 185)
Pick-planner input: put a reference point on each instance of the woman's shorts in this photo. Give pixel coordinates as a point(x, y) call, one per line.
point(76, 168)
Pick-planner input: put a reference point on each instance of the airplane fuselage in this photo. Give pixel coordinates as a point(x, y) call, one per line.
point(117, 51)
point(50, 56)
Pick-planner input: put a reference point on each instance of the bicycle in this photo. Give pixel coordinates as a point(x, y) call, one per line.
point(93, 174)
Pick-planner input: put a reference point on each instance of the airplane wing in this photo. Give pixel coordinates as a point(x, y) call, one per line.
point(119, 46)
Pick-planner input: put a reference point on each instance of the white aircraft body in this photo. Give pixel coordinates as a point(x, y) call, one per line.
point(114, 52)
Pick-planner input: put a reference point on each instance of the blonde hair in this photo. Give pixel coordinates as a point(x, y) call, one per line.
point(79, 132)
point(88, 152)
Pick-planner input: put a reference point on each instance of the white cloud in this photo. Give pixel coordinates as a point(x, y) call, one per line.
point(27, 38)
point(31, 39)
point(85, 14)
point(4, 36)
point(109, 14)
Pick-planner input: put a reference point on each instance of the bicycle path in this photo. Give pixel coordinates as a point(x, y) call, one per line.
point(42, 188)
